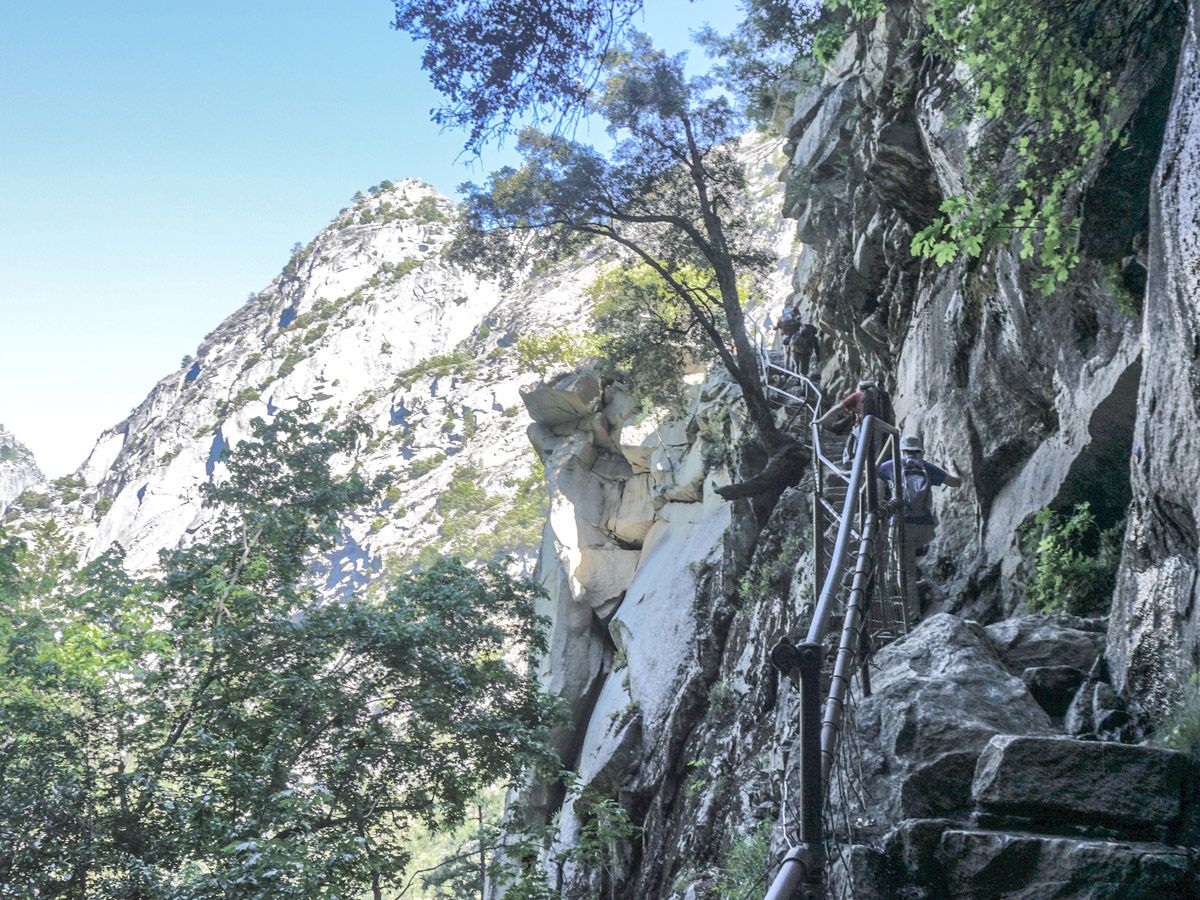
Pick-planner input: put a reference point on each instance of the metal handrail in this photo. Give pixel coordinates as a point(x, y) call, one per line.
point(801, 873)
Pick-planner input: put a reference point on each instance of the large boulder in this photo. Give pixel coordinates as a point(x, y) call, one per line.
point(1043, 640)
point(562, 405)
point(938, 696)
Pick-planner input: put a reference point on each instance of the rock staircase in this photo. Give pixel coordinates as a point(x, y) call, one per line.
point(991, 763)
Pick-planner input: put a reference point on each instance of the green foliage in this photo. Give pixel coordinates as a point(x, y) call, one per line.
point(1076, 562)
point(554, 350)
point(470, 423)
point(216, 730)
point(497, 62)
point(747, 865)
point(429, 210)
point(457, 363)
point(70, 488)
point(422, 467)
point(770, 48)
point(30, 500)
point(292, 359)
point(299, 256)
point(103, 505)
point(661, 196)
point(648, 336)
point(1044, 75)
point(770, 566)
point(1181, 728)
point(721, 700)
point(457, 861)
point(390, 273)
point(605, 832)
point(241, 399)
point(14, 453)
point(186, 361)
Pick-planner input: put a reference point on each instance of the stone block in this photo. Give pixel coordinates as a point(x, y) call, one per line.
point(989, 864)
point(1046, 640)
point(1062, 782)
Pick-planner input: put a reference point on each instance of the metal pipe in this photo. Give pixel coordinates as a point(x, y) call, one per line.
point(794, 881)
point(839, 684)
point(816, 631)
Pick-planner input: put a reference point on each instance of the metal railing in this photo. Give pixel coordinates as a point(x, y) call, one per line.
point(861, 598)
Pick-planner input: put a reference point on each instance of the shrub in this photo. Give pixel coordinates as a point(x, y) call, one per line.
point(70, 487)
point(746, 865)
point(442, 365)
point(559, 349)
point(429, 210)
point(422, 467)
point(1075, 562)
point(31, 500)
point(103, 505)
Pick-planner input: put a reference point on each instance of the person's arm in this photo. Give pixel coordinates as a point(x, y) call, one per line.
point(845, 405)
point(829, 414)
point(953, 478)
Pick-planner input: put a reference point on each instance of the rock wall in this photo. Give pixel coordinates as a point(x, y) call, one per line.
point(677, 712)
point(1034, 397)
point(1155, 631)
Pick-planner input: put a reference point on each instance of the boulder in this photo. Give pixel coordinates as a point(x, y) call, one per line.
point(1047, 640)
point(938, 696)
point(1062, 782)
point(1098, 712)
point(564, 403)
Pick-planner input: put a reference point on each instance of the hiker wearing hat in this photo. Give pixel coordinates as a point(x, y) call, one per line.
point(869, 399)
point(919, 477)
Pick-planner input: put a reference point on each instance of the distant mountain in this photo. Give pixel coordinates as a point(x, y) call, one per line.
point(18, 468)
point(367, 319)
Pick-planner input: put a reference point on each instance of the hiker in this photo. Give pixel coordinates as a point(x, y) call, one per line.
point(868, 399)
point(918, 478)
point(789, 322)
point(805, 348)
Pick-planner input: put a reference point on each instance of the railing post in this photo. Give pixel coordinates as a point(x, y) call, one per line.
point(809, 665)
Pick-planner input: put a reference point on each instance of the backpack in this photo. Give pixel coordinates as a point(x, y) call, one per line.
point(878, 403)
point(916, 489)
point(788, 324)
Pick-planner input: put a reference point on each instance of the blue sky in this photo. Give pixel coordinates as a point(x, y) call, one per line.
point(159, 158)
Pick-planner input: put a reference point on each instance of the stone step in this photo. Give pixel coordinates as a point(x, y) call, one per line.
point(1092, 785)
point(940, 858)
point(987, 864)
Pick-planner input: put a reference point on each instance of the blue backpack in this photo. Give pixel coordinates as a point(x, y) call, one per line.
point(916, 489)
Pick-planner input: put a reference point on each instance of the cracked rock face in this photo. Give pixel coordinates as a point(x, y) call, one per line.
point(1034, 398)
point(1155, 628)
